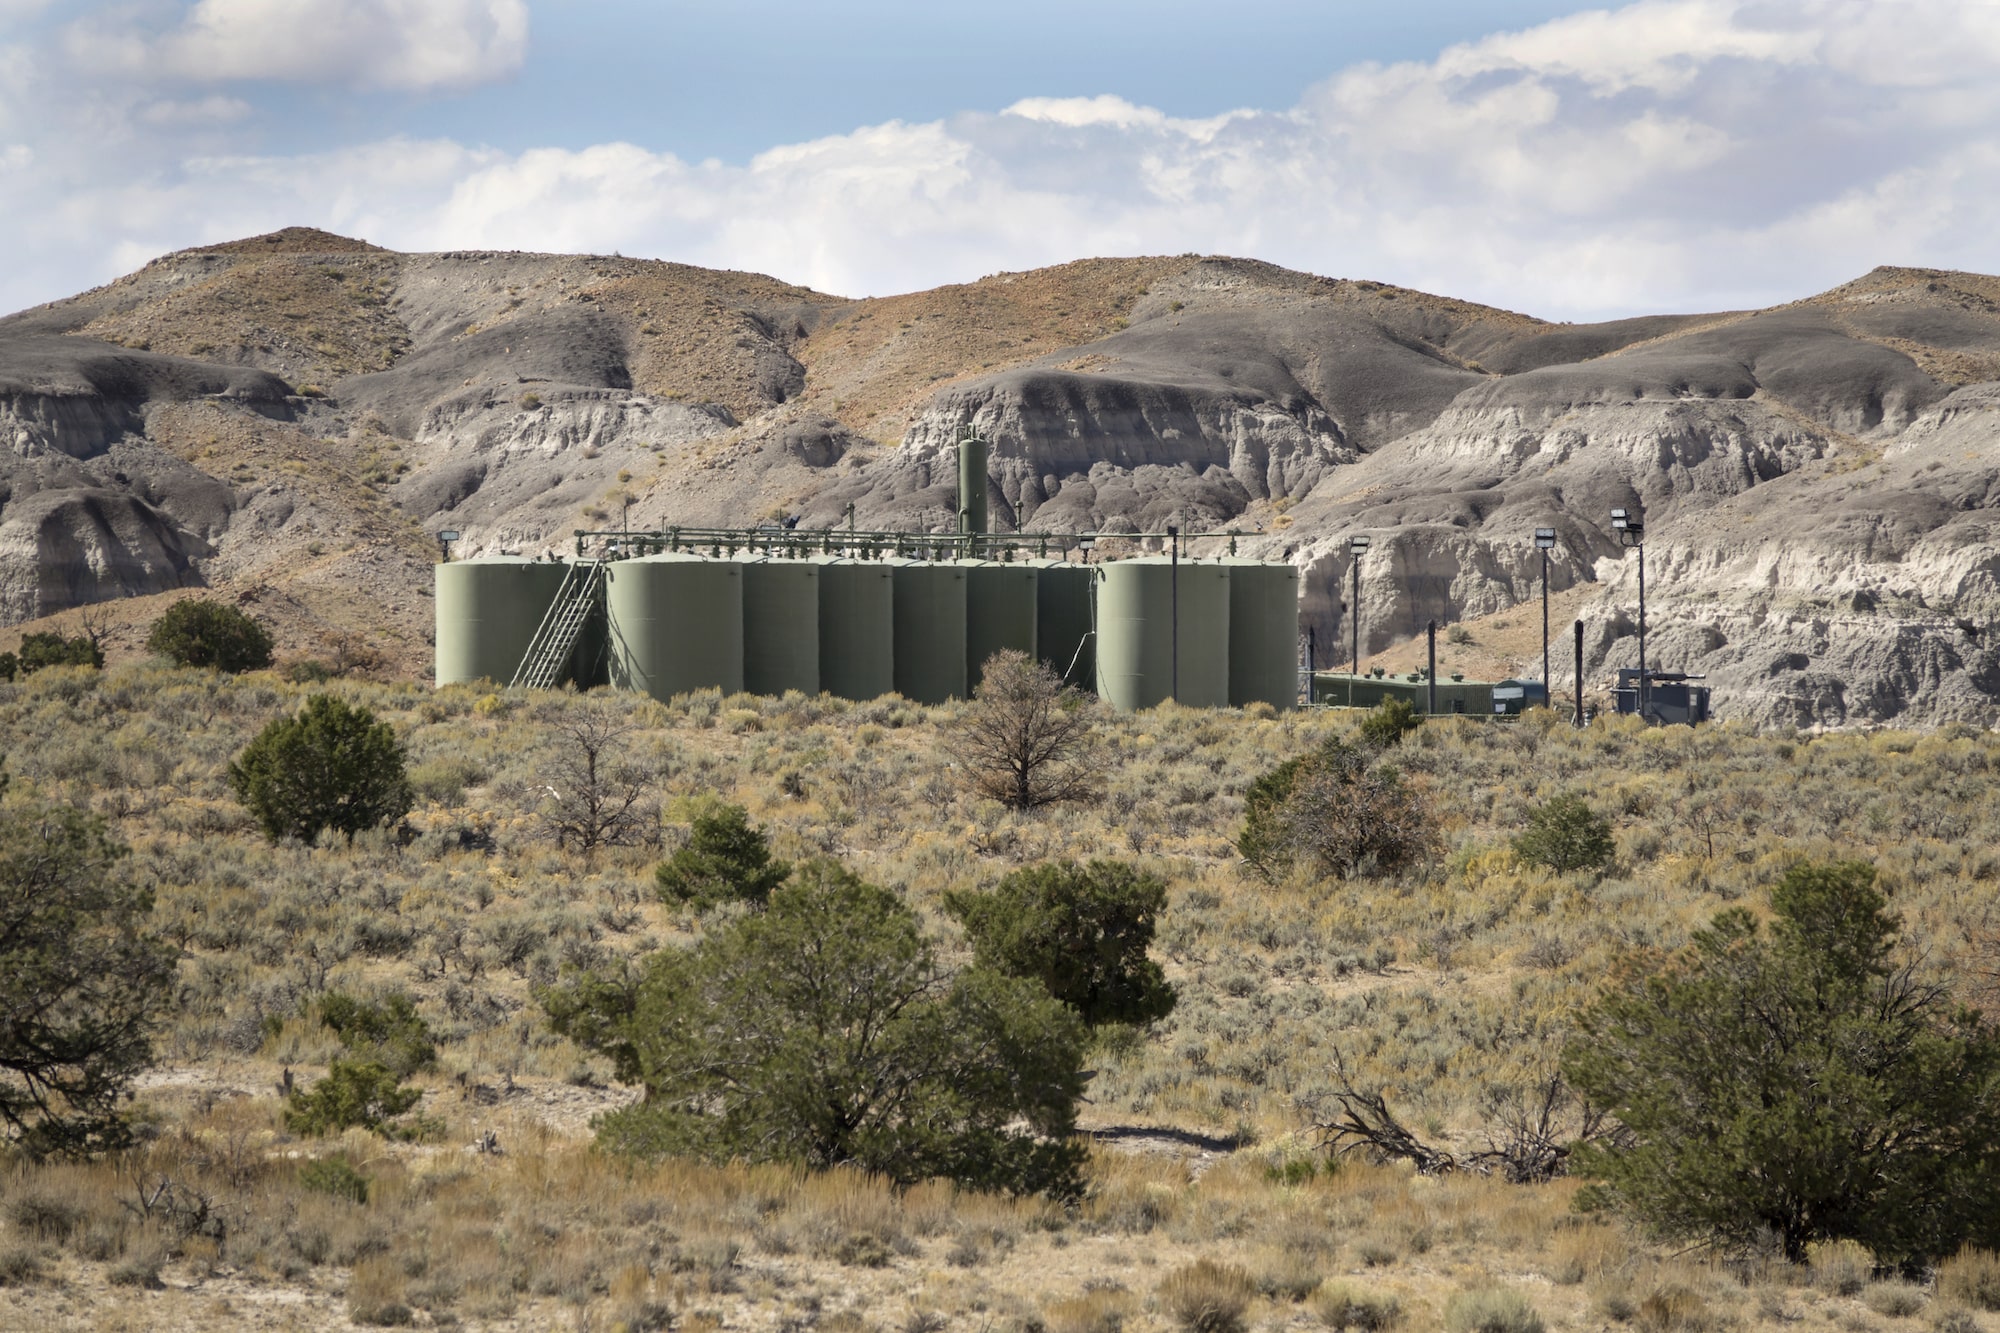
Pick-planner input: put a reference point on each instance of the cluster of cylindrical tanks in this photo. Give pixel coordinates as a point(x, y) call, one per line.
point(1208, 633)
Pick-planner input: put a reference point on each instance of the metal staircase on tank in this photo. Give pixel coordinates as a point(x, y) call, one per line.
point(548, 652)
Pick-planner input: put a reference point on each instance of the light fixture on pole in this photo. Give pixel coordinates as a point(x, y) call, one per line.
point(1084, 544)
point(1545, 541)
point(445, 539)
point(1631, 531)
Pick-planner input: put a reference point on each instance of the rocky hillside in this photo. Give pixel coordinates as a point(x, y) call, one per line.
point(289, 419)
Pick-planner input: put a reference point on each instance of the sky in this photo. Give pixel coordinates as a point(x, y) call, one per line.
point(1570, 161)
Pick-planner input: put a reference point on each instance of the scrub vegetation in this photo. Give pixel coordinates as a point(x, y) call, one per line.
point(457, 1069)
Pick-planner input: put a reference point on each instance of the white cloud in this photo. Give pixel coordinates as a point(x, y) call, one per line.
point(406, 44)
point(214, 110)
point(1674, 154)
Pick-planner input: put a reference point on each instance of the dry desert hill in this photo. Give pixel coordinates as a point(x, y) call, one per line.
point(288, 420)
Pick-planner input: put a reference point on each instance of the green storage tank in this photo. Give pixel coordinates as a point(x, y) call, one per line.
point(929, 630)
point(780, 626)
point(1136, 629)
point(857, 627)
point(676, 624)
point(1000, 611)
point(1063, 621)
point(1263, 633)
point(487, 613)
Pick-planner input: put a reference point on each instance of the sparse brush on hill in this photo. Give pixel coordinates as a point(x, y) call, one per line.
point(1443, 986)
point(47, 650)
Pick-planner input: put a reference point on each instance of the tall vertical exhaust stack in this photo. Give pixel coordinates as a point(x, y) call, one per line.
point(972, 490)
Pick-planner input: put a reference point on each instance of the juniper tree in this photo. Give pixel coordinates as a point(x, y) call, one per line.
point(331, 767)
point(82, 980)
point(1803, 1082)
point(825, 1031)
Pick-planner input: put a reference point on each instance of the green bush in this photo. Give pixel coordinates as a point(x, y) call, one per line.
point(1081, 931)
point(335, 1176)
point(1388, 722)
point(82, 981)
point(1332, 812)
point(847, 1042)
point(1491, 1310)
point(201, 633)
point(355, 1094)
point(1801, 1083)
point(726, 859)
point(331, 767)
point(1565, 834)
point(390, 1033)
point(47, 650)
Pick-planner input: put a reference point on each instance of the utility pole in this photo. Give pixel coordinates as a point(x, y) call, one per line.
point(1545, 540)
point(1632, 533)
point(1174, 595)
point(1579, 673)
point(1431, 646)
point(1357, 547)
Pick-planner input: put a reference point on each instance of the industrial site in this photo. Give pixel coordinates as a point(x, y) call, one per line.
point(1151, 794)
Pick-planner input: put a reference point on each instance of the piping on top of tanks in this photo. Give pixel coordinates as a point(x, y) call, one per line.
point(859, 614)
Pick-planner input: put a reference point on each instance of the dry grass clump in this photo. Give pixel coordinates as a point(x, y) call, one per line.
point(1894, 1300)
point(1842, 1267)
point(1491, 1310)
point(1208, 1297)
point(1101, 1309)
point(1344, 1305)
point(1972, 1278)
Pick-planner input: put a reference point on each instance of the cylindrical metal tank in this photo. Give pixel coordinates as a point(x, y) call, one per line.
point(780, 626)
point(487, 612)
point(1000, 611)
point(1062, 621)
point(1137, 630)
point(1263, 633)
point(590, 660)
point(676, 624)
point(929, 630)
point(857, 627)
point(972, 485)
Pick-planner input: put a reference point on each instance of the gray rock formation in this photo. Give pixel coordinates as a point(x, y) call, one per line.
point(1818, 481)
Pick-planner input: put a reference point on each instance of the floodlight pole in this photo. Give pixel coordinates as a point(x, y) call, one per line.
point(1644, 674)
point(1632, 533)
point(1357, 547)
point(1431, 651)
point(1545, 540)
